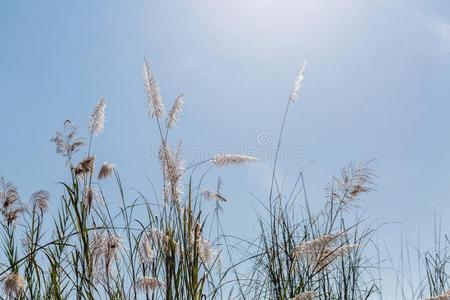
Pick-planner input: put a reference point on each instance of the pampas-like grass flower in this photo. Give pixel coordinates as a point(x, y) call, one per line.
point(328, 256)
point(314, 246)
point(308, 295)
point(223, 160)
point(352, 182)
point(105, 249)
point(13, 215)
point(8, 194)
point(40, 200)
point(173, 170)
point(207, 252)
point(67, 142)
point(97, 118)
point(175, 111)
point(156, 106)
point(14, 285)
point(10, 206)
point(146, 253)
point(444, 296)
point(105, 170)
point(298, 83)
point(85, 166)
point(214, 196)
point(147, 284)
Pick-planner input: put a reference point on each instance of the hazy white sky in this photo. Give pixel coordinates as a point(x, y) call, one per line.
point(377, 87)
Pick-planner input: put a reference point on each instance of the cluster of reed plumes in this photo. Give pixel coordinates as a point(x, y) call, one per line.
point(157, 248)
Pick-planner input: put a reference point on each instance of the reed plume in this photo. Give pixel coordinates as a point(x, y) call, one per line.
point(146, 253)
point(14, 285)
point(352, 182)
point(308, 295)
point(173, 169)
point(97, 118)
point(223, 160)
point(298, 83)
point(67, 143)
point(214, 196)
point(105, 249)
point(40, 200)
point(444, 296)
point(10, 206)
point(105, 170)
point(154, 100)
point(147, 284)
point(174, 112)
point(86, 166)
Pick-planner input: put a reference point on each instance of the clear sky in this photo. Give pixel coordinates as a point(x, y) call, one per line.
point(377, 87)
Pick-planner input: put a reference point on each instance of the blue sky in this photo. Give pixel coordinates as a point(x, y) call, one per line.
point(376, 87)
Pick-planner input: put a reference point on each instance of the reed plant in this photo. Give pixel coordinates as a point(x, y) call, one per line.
point(166, 245)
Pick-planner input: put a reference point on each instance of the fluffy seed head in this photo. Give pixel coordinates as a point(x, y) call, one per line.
point(105, 249)
point(444, 296)
point(97, 118)
point(207, 252)
point(154, 100)
point(85, 166)
point(147, 284)
point(105, 170)
point(315, 246)
point(175, 111)
point(8, 194)
point(214, 196)
point(308, 295)
point(146, 250)
point(173, 170)
point(351, 184)
point(67, 143)
point(14, 285)
point(40, 200)
point(223, 160)
point(298, 83)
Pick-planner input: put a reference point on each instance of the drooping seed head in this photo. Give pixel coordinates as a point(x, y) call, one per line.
point(105, 170)
point(214, 196)
point(85, 166)
point(40, 200)
point(223, 160)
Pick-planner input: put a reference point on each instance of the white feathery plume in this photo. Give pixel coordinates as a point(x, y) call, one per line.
point(147, 284)
point(298, 83)
point(210, 195)
point(175, 111)
point(97, 118)
point(207, 252)
point(146, 253)
point(308, 295)
point(154, 99)
point(223, 160)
